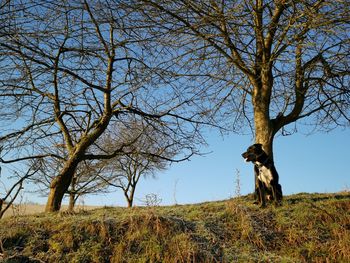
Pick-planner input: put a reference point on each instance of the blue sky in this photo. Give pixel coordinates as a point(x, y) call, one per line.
point(314, 163)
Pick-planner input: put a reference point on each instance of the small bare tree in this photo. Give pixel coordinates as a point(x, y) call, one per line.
point(149, 154)
point(11, 194)
point(127, 171)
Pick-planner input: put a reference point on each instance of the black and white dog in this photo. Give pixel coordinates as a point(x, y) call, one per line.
point(266, 176)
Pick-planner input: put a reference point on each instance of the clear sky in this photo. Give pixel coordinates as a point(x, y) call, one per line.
point(315, 163)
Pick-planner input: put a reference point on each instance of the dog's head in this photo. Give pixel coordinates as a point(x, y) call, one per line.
point(253, 153)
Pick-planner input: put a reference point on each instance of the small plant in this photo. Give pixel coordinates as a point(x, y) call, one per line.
point(174, 193)
point(238, 184)
point(152, 200)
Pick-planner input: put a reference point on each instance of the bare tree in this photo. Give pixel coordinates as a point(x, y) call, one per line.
point(129, 170)
point(68, 70)
point(12, 193)
point(152, 149)
point(266, 65)
point(125, 171)
point(274, 62)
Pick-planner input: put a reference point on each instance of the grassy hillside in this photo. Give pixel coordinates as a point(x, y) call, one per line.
point(307, 228)
point(29, 209)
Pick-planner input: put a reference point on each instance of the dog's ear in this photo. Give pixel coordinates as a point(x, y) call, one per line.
point(258, 146)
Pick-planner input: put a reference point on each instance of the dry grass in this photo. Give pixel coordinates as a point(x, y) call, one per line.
point(30, 209)
point(307, 228)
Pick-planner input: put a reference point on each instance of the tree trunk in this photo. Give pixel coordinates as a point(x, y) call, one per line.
point(264, 126)
point(264, 133)
point(1, 212)
point(130, 201)
point(264, 130)
point(60, 185)
point(130, 197)
point(72, 194)
point(71, 202)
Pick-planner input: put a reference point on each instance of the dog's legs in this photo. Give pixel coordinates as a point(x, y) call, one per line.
point(262, 194)
point(274, 195)
point(257, 193)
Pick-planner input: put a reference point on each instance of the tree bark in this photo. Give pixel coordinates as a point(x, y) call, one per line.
point(72, 194)
point(264, 132)
point(130, 201)
point(130, 195)
point(264, 127)
point(71, 202)
point(1, 212)
point(60, 185)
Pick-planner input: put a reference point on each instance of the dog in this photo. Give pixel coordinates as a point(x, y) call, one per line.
point(266, 176)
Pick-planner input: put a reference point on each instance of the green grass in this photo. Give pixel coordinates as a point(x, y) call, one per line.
point(307, 228)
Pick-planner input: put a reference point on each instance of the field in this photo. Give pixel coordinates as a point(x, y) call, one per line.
point(307, 228)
